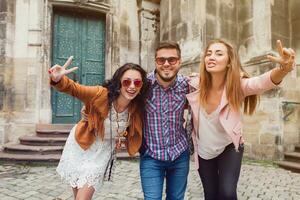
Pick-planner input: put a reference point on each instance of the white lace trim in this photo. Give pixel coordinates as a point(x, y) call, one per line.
point(78, 180)
point(79, 167)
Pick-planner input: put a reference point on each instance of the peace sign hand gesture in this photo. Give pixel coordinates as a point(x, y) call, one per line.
point(286, 58)
point(56, 72)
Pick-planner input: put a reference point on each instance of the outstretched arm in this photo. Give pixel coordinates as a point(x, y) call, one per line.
point(63, 84)
point(286, 60)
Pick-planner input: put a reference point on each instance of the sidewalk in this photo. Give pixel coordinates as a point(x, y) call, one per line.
point(257, 181)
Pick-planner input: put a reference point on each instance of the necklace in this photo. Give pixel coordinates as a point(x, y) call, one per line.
point(121, 134)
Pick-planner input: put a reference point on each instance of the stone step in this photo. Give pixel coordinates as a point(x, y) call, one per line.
point(44, 147)
point(292, 157)
point(49, 133)
point(13, 148)
point(292, 166)
point(26, 158)
point(42, 141)
point(53, 130)
point(54, 126)
point(297, 148)
point(42, 154)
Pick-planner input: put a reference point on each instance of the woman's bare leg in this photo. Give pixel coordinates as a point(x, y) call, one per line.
point(85, 193)
point(75, 190)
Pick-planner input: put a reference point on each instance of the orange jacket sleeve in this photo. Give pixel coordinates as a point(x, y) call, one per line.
point(82, 92)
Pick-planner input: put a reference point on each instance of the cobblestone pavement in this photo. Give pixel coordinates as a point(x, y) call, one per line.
point(257, 181)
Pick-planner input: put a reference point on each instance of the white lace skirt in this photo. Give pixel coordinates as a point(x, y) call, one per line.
point(79, 167)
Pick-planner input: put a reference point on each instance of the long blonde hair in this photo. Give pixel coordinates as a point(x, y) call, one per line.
point(232, 81)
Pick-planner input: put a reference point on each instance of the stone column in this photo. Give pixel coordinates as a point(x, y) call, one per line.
point(7, 20)
point(184, 22)
point(127, 17)
point(149, 18)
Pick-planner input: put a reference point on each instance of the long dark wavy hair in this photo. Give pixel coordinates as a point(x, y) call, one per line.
point(114, 85)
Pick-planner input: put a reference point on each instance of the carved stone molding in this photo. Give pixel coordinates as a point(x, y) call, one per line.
point(96, 5)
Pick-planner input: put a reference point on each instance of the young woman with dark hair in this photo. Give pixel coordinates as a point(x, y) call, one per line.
point(113, 110)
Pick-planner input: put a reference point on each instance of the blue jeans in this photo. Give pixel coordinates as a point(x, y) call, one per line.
point(154, 171)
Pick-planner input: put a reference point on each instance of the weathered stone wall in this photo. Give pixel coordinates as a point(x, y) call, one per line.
point(295, 26)
point(26, 59)
point(295, 39)
point(128, 31)
point(25, 55)
point(183, 21)
point(253, 26)
point(280, 22)
point(7, 18)
point(274, 128)
point(133, 31)
point(149, 33)
point(245, 26)
point(263, 130)
point(254, 18)
point(221, 20)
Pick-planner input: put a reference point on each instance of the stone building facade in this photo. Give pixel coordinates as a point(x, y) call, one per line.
point(27, 51)
point(131, 30)
point(253, 26)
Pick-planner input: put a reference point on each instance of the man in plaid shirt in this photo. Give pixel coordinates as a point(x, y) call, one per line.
point(164, 153)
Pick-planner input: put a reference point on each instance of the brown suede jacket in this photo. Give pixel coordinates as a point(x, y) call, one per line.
point(95, 99)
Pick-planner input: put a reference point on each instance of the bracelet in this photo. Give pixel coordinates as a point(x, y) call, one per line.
point(282, 70)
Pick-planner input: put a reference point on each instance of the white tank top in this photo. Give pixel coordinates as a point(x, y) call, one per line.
point(212, 137)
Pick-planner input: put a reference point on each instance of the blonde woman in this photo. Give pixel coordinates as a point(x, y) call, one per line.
point(217, 108)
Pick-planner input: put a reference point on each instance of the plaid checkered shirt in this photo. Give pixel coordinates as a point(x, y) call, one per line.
point(164, 135)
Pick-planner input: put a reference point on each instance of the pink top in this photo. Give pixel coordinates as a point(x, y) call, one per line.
point(230, 120)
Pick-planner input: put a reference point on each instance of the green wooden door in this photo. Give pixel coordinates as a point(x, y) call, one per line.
point(82, 36)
